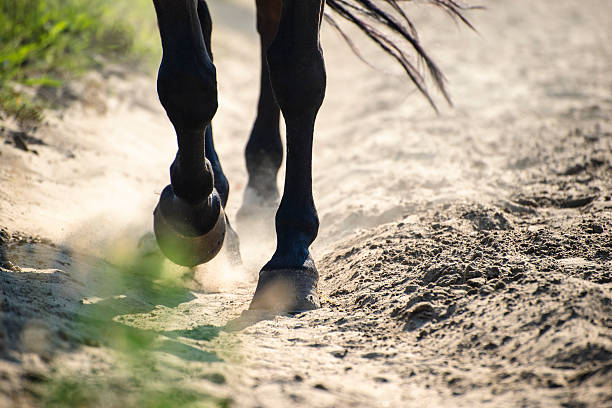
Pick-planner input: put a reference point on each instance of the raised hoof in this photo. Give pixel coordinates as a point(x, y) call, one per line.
point(286, 291)
point(182, 230)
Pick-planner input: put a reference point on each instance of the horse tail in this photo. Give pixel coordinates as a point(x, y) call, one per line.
point(386, 23)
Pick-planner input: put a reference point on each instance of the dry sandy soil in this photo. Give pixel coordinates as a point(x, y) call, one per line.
point(465, 257)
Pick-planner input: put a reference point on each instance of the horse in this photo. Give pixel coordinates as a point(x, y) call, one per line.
point(190, 223)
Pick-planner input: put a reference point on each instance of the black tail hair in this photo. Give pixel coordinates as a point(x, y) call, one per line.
point(370, 16)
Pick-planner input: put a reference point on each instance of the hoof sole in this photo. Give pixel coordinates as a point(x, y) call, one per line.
point(187, 249)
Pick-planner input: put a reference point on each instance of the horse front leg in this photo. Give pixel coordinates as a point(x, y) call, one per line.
point(189, 221)
point(288, 282)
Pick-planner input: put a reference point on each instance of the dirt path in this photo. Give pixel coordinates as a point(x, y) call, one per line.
point(465, 258)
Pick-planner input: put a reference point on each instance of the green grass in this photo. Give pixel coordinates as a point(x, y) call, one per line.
point(144, 364)
point(43, 43)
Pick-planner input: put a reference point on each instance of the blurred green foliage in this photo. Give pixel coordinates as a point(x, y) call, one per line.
point(44, 42)
point(70, 393)
point(151, 366)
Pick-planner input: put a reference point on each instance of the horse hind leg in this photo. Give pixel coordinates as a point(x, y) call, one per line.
point(189, 220)
point(221, 184)
point(288, 282)
point(232, 242)
point(264, 149)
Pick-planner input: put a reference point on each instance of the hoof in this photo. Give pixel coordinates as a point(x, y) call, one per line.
point(185, 232)
point(286, 291)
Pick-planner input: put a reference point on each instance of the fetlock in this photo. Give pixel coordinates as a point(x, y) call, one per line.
point(192, 183)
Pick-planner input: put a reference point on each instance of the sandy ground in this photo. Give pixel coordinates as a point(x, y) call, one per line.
point(465, 257)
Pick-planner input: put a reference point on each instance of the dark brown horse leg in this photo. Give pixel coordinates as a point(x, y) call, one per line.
point(264, 150)
point(288, 282)
point(189, 219)
point(232, 243)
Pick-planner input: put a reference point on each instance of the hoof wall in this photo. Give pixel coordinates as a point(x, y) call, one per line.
point(182, 247)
